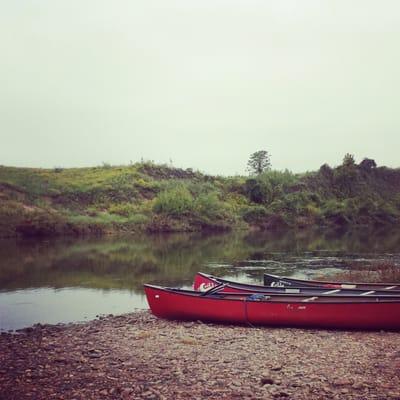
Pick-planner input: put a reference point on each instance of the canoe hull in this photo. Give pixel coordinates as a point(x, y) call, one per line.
point(204, 282)
point(283, 281)
point(174, 305)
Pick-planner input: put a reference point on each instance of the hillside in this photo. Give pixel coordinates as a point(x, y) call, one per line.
point(159, 198)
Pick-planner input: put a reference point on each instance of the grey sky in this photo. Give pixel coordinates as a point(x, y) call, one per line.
point(204, 83)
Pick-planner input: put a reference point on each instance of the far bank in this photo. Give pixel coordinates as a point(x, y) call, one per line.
point(145, 197)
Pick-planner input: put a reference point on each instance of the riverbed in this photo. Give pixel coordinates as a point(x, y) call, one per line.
point(137, 356)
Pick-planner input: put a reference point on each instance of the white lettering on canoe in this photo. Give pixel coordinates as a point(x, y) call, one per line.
point(277, 283)
point(203, 287)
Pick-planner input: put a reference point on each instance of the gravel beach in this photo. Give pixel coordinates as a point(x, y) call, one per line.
point(137, 356)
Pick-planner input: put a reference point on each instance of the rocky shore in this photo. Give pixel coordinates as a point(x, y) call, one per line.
point(138, 356)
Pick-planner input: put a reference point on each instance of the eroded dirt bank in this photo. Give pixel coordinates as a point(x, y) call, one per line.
point(137, 356)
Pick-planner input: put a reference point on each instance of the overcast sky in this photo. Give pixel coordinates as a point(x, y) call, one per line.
point(203, 83)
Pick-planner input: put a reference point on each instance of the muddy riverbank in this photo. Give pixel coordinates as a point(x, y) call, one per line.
point(136, 356)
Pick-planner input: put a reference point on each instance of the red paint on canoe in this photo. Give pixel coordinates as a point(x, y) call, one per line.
point(347, 313)
point(204, 282)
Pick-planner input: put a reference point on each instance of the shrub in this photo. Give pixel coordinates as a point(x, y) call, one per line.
point(123, 209)
point(326, 171)
point(210, 206)
point(367, 164)
point(269, 185)
point(255, 214)
point(236, 201)
point(174, 201)
point(258, 190)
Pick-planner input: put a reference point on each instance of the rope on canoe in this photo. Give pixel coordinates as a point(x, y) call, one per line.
point(246, 316)
point(253, 297)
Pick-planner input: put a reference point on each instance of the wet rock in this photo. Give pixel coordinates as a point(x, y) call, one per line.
point(342, 382)
point(266, 380)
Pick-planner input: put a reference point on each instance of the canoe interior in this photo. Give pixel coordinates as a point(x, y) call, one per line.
point(284, 280)
point(204, 282)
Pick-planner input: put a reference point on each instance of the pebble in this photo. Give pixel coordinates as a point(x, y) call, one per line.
point(137, 356)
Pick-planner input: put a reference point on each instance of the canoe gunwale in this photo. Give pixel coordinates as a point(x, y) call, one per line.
point(220, 284)
point(314, 283)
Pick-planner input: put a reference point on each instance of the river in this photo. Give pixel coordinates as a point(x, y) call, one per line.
point(69, 280)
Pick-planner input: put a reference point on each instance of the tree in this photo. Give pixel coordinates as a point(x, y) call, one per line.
point(367, 164)
point(348, 160)
point(326, 171)
point(259, 162)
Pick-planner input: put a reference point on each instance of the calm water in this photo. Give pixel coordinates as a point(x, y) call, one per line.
point(76, 280)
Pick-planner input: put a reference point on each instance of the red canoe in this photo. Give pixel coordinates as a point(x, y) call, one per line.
point(346, 312)
point(275, 280)
point(205, 282)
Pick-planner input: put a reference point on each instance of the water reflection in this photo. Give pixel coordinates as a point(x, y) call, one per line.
point(106, 275)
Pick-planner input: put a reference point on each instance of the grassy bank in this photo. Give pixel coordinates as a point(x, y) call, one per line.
point(158, 198)
point(362, 272)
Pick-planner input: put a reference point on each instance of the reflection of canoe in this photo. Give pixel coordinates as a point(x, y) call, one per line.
point(204, 282)
point(275, 280)
point(353, 312)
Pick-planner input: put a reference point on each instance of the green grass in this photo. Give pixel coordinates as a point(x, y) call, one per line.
point(374, 272)
point(146, 196)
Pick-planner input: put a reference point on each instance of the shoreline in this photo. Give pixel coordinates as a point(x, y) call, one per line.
point(137, 356)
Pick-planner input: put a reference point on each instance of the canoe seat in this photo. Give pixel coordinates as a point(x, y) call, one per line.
point(292, 290)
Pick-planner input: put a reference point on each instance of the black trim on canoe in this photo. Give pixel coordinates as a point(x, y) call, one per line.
point(287, 281)
point(316, 290)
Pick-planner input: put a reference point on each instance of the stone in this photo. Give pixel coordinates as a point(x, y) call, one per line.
point(266, 380)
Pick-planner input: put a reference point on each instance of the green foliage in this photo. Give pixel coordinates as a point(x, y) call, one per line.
point(159, 197)
point(348, 160)
point(367, 164)
point(254, 214)
point(208, 205)
point(258, 190)
point(326, 171)
point(259, 162)
point(175, 201)
point(123, 209)
point(236, 201)
point(346, 181)
point(269, 185)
